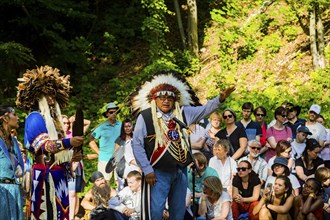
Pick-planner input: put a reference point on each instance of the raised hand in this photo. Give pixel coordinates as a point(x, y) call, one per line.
point(224, 94)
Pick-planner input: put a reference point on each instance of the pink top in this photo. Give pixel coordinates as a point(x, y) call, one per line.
point(68, 134)
point(284, 134)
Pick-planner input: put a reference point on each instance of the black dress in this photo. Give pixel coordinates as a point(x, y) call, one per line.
point(233, 138)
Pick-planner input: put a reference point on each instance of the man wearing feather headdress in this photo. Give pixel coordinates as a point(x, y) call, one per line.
point(158, 143)
point(42, 92)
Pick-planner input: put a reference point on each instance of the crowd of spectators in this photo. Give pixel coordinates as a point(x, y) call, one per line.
point(247, 169)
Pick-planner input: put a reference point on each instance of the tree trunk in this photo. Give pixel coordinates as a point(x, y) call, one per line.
point(178, 16)
point(316, 37)
point(312, 38)
point(320, 37)
point(192, 25)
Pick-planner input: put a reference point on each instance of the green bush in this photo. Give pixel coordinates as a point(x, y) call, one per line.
point(272, 43)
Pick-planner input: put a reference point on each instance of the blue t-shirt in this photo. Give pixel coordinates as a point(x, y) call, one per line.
point(107, 134)
point(252, 129)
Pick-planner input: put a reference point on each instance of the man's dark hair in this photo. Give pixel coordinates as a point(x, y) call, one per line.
point(247, 105)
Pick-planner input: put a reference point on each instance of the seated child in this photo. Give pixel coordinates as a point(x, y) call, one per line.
point(128, 201)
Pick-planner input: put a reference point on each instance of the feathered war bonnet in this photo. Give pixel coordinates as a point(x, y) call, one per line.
point(163, 83)
point(41, 81)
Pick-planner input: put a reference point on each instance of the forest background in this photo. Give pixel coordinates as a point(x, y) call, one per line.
point(272, 50)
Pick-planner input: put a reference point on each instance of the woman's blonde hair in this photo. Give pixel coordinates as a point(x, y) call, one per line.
point(322, 174)
point(216, 115)
point(215, 185)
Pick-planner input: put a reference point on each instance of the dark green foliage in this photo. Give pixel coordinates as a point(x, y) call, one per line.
point(13, 58)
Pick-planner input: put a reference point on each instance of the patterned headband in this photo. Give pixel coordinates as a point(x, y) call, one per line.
point(10, 110)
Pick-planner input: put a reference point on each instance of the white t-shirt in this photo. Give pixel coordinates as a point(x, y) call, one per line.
point(297, 149)
point(129, 156)
point(325, 153)
point(196, 135)
point(214, 211)
point(225, 171)
point(318, 131)
point(293, 179)
point(129, 199)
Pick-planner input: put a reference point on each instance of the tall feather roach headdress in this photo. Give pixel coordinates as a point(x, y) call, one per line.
point(39, 82)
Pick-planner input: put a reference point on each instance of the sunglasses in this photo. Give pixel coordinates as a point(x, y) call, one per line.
point(241, 168)
point(168, 98)
point(284, 116)
point(262, 115)
point(253, 148)
point(227, 116)
point(112, 112)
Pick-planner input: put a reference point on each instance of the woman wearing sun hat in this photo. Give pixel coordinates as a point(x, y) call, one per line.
point(280, 168)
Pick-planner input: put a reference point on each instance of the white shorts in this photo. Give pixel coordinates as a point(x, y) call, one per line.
point(101, 167)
